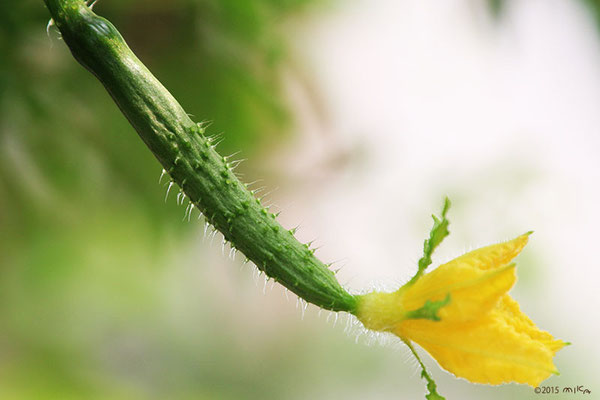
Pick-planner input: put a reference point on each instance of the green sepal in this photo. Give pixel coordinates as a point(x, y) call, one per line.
point(431, 386)
point(429, 310)
point(437, 234)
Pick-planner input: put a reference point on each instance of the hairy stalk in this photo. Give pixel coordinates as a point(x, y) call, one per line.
point(431, 386)
point(189, 157)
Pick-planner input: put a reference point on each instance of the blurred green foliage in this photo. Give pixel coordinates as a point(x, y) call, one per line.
point(86, 240)
point(594, 7)
point(497, 6)
point(68, 154)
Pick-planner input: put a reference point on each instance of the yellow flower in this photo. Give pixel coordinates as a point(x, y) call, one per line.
point(461, 314)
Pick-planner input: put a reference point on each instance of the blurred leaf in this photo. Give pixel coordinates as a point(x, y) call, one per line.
point(84, 232)
point(594, 7)
point(496, 6)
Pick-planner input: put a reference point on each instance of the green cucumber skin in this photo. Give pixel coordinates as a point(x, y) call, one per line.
point(188, 156)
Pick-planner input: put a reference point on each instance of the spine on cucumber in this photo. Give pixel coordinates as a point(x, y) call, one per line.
point(191, 160)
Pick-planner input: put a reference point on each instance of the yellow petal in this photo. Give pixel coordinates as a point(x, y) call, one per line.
point(503, 346)
point(495, 255)
point(475, 282)
point(522, 324)
point(474, 293)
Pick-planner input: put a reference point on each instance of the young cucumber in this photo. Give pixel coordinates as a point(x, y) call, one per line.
point(191, 160)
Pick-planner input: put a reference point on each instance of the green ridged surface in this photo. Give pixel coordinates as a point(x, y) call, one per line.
point(191, 160)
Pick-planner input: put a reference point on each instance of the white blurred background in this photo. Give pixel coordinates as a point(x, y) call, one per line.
point(426, 98)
